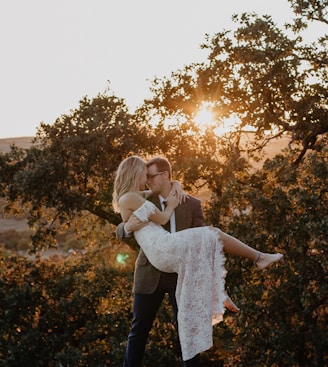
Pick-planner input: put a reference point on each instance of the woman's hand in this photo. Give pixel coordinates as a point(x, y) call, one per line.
point(172, 200)
point(178, 192)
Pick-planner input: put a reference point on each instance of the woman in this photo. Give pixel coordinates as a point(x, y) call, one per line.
point(194, 254)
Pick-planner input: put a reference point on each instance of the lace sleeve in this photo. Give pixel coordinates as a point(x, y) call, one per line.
point(145, 210)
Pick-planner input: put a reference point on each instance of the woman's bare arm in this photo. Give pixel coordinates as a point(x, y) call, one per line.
point(131, 201)
point(162, 217)
point(177, 190)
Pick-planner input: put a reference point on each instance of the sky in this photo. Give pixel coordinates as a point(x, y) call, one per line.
point(53, 53)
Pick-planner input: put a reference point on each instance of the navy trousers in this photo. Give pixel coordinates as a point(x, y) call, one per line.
point(145, 308)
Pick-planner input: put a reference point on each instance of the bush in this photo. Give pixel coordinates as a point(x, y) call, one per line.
point(70, 313)
point(73, 313)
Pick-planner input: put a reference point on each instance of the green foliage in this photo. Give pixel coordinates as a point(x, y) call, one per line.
point(284, 308)
point(49, 311)
point(312, 10)
point(271, 83)
point(70, 166)
point(72, 313)
point(78, 311)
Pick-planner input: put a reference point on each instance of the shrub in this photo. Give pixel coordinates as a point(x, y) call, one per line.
point(76, 312)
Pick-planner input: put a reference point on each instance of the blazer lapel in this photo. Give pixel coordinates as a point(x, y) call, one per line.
point(155, 200)
point(180, 216)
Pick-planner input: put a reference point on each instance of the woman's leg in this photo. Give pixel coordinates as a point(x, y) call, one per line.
point(233, 246)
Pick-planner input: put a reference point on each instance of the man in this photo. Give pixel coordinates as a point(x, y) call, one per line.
point(150, 284)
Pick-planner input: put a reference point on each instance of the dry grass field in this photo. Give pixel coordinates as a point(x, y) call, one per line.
point(23, 142)
point(13, 224)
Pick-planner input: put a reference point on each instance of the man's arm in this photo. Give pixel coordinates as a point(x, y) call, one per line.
point(129, 240)
point(120, 232)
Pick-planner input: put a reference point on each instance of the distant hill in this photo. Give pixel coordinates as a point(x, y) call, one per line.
point(23, 142)
point(9, 222)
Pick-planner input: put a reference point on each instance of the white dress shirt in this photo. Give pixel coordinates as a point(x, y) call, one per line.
point(173, 227)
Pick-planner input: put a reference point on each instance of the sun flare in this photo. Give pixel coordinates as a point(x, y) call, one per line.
point(205, 119)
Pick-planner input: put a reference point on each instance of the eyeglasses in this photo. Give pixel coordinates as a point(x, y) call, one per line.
point(151, 177)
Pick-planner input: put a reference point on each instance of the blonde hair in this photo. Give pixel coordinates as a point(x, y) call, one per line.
point(127, 178)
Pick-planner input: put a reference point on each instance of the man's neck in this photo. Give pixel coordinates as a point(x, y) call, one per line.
point(165, 192)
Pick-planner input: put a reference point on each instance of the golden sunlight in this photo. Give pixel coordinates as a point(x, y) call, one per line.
point(205, 119)
point(227, 125)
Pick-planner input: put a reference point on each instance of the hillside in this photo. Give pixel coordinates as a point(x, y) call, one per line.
point(23, 142)
point(7, 224)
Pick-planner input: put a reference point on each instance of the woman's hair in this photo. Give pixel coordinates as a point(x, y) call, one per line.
point(127, 177)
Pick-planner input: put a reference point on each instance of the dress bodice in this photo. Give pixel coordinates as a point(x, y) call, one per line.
point(145, 211)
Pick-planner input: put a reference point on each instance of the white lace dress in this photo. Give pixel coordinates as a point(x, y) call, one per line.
point(196, 255)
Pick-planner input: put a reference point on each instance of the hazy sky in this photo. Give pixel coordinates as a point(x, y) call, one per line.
point(55, 52)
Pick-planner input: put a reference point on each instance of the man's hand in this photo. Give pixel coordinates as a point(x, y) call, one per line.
point(134, 224)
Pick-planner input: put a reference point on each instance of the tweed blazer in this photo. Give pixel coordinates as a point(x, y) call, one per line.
point(146, 277)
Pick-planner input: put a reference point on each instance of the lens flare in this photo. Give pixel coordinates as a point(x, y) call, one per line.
point(122, 258)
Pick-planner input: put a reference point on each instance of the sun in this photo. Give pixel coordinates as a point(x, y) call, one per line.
point(206, 119)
